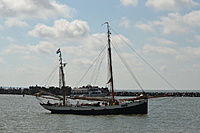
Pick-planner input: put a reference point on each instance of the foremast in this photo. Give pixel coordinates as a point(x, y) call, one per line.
point(62, 75)
point(110, 64)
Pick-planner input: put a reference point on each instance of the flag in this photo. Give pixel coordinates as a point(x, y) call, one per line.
point(58, 51)
point(110, 80)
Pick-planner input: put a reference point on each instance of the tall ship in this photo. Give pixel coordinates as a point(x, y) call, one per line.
point(90, 105)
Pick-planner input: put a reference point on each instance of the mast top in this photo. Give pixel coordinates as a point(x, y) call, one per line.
point(105, 23)
point(108, 26)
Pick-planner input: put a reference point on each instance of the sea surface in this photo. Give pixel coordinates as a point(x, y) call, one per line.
point(20, 114)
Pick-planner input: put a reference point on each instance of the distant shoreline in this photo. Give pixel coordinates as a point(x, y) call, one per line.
point(32, 90)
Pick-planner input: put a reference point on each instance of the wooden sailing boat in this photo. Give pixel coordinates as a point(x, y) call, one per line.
point(103, 106)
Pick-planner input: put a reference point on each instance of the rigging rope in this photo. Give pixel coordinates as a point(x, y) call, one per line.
point(50, 77)
point(96, 70)
point(163, 103)
point(127, 67)
point(91, 66)
point(170, 99)
point(145, 61)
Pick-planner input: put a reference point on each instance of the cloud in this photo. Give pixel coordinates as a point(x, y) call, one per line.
point(1, 61)
point(158, 49)
point(188, 53)
point(82, 62)
point(98, 41)
point(129, 2)
point(43, 31)
point(15, 23)
point(182, 57)
point(163, 41)
point(10, 39)
point(193, 52)
point(92, 45)
point(41, 9)
point(120, 40)
point(42, 47)
point(124, 22)
point(163, 69)
point(145, 27)
point(78, 32)
point(28, 57)
point(192, 18)
point(62, 29)
point(76, 51)
point(170, 5)
point(197, 38)
point(173, 23)
point(196, 66)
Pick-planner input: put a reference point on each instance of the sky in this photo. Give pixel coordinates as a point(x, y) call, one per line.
point(165, 33)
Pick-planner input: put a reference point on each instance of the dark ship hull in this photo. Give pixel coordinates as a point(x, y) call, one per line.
point(140, 107)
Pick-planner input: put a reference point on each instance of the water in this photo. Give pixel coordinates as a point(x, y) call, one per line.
point(25, 115)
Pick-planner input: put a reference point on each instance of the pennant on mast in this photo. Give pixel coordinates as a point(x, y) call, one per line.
point(109, 81)
point(58, 51)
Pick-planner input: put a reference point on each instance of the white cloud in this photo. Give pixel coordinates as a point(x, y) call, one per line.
point(62, 29)
point(120, 40)
point(170, 5)
point(173, 75)
point(197, 38)
point(163, 68)
point(1, 61)
point(173, 23)
point(78, 32)
point(82, 62)
point(188, 53)
point(145, 27)
point(28, 57)
point(42, 47)
point(95, 42)
point(98, 41)
point(158, 49)
point(14, 49)
point(124, 22)
point(15, 23)
point(43, 31)
point(192, 18)
point(182, 57)
point(193, 52)
point(34, 9)
point(92, 45)
point(196, 66)
point(129, 2)
point(76, 51)
point(10, 39)
point(163, 41)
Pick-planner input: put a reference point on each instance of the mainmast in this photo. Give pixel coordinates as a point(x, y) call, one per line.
point(110, 63)
point(62, 76)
